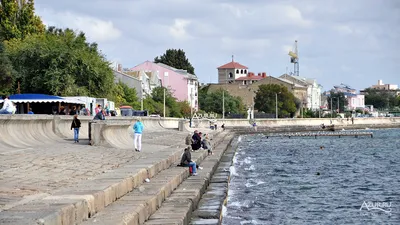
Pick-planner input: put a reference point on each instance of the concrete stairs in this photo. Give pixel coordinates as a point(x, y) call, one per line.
point(179, 206)
point(81, 202)
point(137, 206)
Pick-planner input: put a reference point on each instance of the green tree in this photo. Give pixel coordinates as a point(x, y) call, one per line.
point(124, 95)
point(184, 108)
point(381, 99)
point(265, 100)
point(172, 107)
point(337, 97)
point(60, 62)
point(18, 19)
point(212, 102)
point(175, 58)
point(153, 107)
point(6, 72)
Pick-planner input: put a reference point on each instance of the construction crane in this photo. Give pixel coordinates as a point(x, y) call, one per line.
point(294, 58)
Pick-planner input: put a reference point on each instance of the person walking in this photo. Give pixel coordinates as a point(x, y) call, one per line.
point(8, 107)
point(137, 138)
point(76, 124)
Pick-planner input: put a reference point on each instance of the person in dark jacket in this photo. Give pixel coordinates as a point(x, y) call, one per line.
point(76, 124)
point(73, 111)
point(186, 161)
point(196, 141)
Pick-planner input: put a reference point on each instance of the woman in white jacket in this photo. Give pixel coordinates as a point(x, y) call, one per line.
point(8, 107)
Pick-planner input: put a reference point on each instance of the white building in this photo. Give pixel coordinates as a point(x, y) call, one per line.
point(314, 90)
point(382, 86)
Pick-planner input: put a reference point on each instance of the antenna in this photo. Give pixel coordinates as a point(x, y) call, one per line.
point(232, 58)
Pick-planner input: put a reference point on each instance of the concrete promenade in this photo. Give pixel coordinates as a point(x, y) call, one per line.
point(47, 179)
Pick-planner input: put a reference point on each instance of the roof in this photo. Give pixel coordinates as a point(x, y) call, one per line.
point(290, 82)
point(251, 78)
point(40, 98)
point(232, 65)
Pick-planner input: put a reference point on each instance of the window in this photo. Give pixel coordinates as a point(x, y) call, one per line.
point(237, 71)
point(230, 75)
point(245, 71)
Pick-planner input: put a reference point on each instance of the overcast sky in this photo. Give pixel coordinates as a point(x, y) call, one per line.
point(355, 42)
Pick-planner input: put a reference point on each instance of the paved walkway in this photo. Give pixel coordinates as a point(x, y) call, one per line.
point(27, 174)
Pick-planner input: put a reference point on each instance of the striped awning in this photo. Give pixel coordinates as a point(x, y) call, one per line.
point(41, 98)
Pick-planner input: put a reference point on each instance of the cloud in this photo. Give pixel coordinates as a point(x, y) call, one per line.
point(178, 29)
point(94, 28)
point(332, 34)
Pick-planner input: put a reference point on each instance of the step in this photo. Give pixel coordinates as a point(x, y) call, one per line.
point(178, 208)
point(137, 206)
point(72, 205)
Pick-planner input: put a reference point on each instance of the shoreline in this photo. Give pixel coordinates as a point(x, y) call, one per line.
point(212, 204)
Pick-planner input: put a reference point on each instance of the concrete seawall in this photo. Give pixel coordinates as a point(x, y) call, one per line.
point(25, 131)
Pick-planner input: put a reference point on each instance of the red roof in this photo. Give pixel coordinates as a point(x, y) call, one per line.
point(232, 65)
point(251, 78)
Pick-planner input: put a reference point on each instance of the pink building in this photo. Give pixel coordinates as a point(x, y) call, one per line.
point(354, 100)
point(182, 84)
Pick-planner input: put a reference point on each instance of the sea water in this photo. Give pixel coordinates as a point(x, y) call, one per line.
point(327, 180)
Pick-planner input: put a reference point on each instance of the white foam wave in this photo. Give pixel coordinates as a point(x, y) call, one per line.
point(252, 183)
point(239, 138)
point(247, 160)
point(224, 211)
point(233, 171)
point(251, 168)
point(248, 222)
point(234, 160)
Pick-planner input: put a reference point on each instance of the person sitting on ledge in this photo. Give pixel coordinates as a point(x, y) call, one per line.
point(186, 161)
point(206, 143)
point(100, 115)
point(7, 106)
point(196, 141)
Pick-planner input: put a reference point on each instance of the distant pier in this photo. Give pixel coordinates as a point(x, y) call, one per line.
point(323, 134)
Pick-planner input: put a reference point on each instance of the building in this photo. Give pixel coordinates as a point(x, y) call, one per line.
point(354, 100)
point(183, 85)
point(231, 71)
point(388, 88)
point(382, 86)
point(314, 90)
point(132, 82)
point(248, 92)
point(250, 78)
point(149, 80)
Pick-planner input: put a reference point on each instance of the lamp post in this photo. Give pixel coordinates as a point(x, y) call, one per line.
point(276, 105)
point(165, 87)
point(191, 103)
point(223, 96)
point(141, 103)
point(141, 97)
point(331, 109)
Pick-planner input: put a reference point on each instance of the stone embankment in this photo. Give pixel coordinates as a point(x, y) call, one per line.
point(47, 179)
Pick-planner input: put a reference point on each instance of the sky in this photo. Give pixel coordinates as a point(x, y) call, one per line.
point(355, 42)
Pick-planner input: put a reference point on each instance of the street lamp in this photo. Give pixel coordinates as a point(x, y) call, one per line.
point(276, 105)
point(332, 106)
point(165, 75)
point(223, 96)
